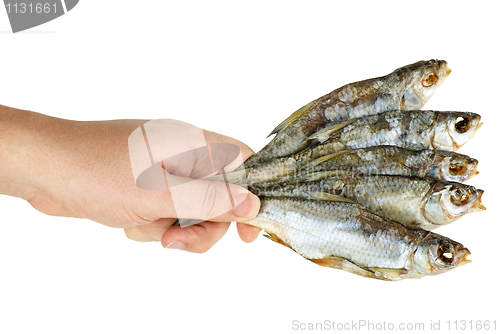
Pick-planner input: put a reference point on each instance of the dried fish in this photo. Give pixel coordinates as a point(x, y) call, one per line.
point(407, 88)
point(394, 160)
point(384, 159)
point(349, 237)
point(413, 201)
point(415, 130)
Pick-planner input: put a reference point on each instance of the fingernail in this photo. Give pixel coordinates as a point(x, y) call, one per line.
point(246, 205)
point(176, 245)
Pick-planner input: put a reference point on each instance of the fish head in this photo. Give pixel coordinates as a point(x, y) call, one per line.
point(437, 254)
point(449, 201)
point(454, 129)
point(452, 166)
point(420, 81)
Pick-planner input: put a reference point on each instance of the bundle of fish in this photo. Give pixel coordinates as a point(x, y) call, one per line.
point(356, 179)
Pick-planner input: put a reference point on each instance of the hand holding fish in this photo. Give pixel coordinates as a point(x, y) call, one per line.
point(353, 180)
point(83, 169)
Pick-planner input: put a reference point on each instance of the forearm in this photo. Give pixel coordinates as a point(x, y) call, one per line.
point(16, 136)
point(27, 147)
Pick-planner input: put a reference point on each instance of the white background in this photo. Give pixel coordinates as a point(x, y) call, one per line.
point(238, 68)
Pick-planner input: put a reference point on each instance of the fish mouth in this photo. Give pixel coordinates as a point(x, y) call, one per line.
point(473, 173)
point(445, 75)
point(461, 257)
point(478, 127)
point(473, 170)
point(443, 70)
point(478, 205)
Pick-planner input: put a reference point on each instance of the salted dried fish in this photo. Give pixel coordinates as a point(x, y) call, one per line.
point(394, 160)
point(407, 88)
point(347, 236)
point(385, 159)
point(413, 201)
point(415, 130)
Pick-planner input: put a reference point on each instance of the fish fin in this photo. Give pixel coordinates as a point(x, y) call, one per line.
point(319, 161)
point(311, 177)
point(323, 134)
point(293, 117)
point(317, 195)
point(330, 262)
point(418, 224)
point(236, 177)
point(185, 222)
point(386, 274)
point(218, 178)
point(275, 238)
point(391, 274)
point(346, 265)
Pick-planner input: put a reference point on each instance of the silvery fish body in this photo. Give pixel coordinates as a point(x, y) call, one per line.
point(425, 129)
point(407, 88)
point(384, 159)
point(347, 236)
point(413, 201)
point(394, 160)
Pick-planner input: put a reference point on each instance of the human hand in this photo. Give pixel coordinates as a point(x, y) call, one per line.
point(83, 169)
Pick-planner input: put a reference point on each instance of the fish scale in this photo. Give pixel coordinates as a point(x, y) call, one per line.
point(314, 242)
point(347, 236)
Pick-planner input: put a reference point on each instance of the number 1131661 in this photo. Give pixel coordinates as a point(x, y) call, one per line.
point(31, 8)
point(462, 325)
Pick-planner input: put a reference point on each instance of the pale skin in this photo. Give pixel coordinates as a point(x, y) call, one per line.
point(82, 170)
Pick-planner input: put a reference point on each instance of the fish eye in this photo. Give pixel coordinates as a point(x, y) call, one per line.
point(462, 124)
point(459, 196)
point(429, 80)
point(445, 253)
point(457, 168)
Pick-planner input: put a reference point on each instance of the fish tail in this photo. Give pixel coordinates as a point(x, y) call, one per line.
point(238, 177)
